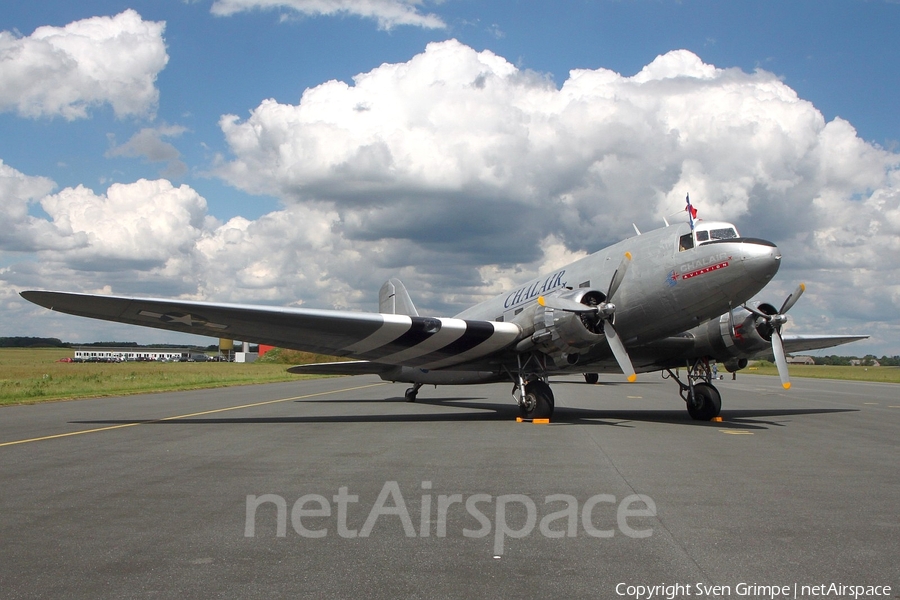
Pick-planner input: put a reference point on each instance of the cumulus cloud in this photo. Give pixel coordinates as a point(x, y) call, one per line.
point(463, 175)
point(63, 71)
point(21, 231)
point(461, 144)
point(388, 13)
point(154, 237)
point(143, 225)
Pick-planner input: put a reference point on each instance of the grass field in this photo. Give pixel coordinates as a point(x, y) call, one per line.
point(30, 375)
point(882, 374)
point(33, 375)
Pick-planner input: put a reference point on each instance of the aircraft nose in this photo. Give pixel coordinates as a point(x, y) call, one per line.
point(761, 259)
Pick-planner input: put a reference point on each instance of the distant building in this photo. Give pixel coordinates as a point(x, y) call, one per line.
point(133, 353)
point(857, 363)
point(801, 360)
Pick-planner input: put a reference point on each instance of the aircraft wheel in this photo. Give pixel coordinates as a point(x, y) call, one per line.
point(538, 402)
point(592, 378)
point(410, 394)
point(706, 404)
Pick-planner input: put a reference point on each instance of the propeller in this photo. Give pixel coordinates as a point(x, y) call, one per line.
point(775, 323)
point(605, 312)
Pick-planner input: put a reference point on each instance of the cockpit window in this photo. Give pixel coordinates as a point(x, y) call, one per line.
point(707, 233)
point(721, 233)
point(728, 233)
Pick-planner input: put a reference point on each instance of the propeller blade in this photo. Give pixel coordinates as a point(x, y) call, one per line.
point(618, 349)
point(792, 299)
point(618, 276)
point(565, 304)
point(780, 360)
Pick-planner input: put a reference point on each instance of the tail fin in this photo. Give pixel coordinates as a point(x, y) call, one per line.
point(393, 299)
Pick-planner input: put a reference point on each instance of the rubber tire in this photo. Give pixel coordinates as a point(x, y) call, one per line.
point(538, 402)
point(592, 378)
point(708, 402)
point(411, 394)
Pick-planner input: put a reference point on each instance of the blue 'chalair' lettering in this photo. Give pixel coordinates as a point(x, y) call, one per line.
point(535, 289)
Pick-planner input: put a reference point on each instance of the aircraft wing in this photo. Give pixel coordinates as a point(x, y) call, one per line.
point(351, 367)
point(799, 343)
point(423, 342)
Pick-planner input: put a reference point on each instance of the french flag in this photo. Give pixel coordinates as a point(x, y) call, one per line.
point(691, 211)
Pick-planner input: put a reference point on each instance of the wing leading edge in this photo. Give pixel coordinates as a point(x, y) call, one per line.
point(423, 342)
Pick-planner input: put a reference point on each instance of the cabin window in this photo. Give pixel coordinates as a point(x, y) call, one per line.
point(686, 242)
point(702, 236)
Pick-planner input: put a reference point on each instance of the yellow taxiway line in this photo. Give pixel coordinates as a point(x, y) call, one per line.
point(196, 414)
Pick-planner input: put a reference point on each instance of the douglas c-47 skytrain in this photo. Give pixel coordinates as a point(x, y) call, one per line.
point(673, 297)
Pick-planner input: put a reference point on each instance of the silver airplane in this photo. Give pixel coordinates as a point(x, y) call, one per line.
point(655, 302)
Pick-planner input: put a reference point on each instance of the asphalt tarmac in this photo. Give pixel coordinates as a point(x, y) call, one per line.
point(337, 488)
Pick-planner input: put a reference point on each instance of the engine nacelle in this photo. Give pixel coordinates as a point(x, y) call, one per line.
point(562, 334)
point(751, 336)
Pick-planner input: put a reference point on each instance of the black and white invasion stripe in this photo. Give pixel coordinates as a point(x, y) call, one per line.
point(432, 343)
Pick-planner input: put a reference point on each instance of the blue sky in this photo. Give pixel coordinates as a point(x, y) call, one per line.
point(839, 58)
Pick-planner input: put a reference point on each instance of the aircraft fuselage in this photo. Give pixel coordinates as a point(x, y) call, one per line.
point(668, 288)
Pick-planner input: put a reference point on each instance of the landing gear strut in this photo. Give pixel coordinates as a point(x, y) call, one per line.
point(530, 388)
point(701, 397)
point(412, 392)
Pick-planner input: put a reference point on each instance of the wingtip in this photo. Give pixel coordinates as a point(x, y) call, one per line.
point(36, 297)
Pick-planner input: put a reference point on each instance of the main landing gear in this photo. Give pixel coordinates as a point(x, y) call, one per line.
point(537, 402)
point(530, 388)
point(702, 398)
point(412, 392)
